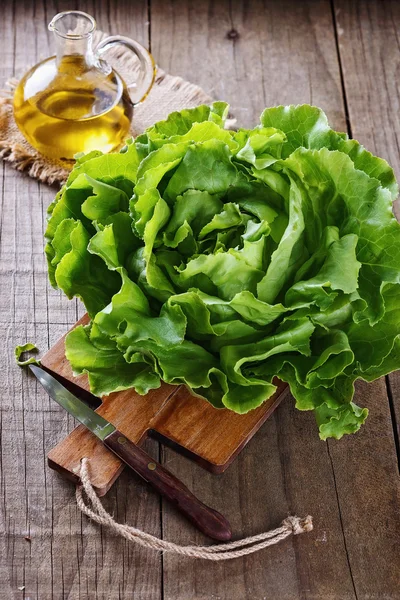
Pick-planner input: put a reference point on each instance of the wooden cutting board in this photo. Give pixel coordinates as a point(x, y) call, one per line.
point(191, 426)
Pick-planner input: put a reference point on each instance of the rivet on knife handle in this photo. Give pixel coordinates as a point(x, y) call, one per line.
point(208, 520)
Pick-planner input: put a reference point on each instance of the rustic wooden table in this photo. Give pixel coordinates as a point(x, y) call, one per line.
point(345, 57)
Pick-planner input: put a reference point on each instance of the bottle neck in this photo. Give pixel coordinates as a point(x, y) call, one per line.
point(73, 32)
point(81, 47)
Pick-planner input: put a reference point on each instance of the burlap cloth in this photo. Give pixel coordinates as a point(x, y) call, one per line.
point(169, 93)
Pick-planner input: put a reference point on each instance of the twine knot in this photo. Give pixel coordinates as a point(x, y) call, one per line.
point(90, 505)
point(298, 525)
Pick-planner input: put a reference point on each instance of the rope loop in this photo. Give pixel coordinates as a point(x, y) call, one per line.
point(89, 503)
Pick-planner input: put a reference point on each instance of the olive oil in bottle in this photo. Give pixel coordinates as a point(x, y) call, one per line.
point(79, 111)
point(75, 102)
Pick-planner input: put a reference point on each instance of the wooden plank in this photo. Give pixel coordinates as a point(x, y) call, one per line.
point(66, 556)
point(393, 389)
point(252, 54)
point(281, 53)
point(191, 426)
point(286, 467)
point(368, 493)
point(369, 47)
point(367, 472)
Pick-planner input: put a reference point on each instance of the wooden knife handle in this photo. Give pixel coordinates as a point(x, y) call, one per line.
point(206, 519)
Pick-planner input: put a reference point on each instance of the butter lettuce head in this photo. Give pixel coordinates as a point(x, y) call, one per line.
point(221, 260)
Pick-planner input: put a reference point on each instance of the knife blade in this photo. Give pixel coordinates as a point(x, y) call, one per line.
point(206, 519)
point(87, 397)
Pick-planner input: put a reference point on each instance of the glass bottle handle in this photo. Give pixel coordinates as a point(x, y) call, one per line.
point(140, 88)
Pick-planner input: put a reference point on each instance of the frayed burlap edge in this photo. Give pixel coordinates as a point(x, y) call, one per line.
point(168, 94)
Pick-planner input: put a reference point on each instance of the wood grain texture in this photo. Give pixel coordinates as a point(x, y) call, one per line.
point(369, 44)
point(190, 425)
point(369, 49)
point(256, 54)
point(285, 52)
point(66, 557)
point(252, 53)
point(206, 519)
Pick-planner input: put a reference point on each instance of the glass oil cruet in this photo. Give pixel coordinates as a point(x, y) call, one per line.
point(74, 101)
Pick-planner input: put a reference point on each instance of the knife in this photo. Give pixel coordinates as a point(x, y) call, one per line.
point(206, 519)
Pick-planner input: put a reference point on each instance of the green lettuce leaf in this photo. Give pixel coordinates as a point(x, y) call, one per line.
point(223, 260)
point(28, 347)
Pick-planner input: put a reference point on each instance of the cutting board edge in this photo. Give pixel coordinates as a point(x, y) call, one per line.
point(208, 465)
point(215, 463)
point(68, 475)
